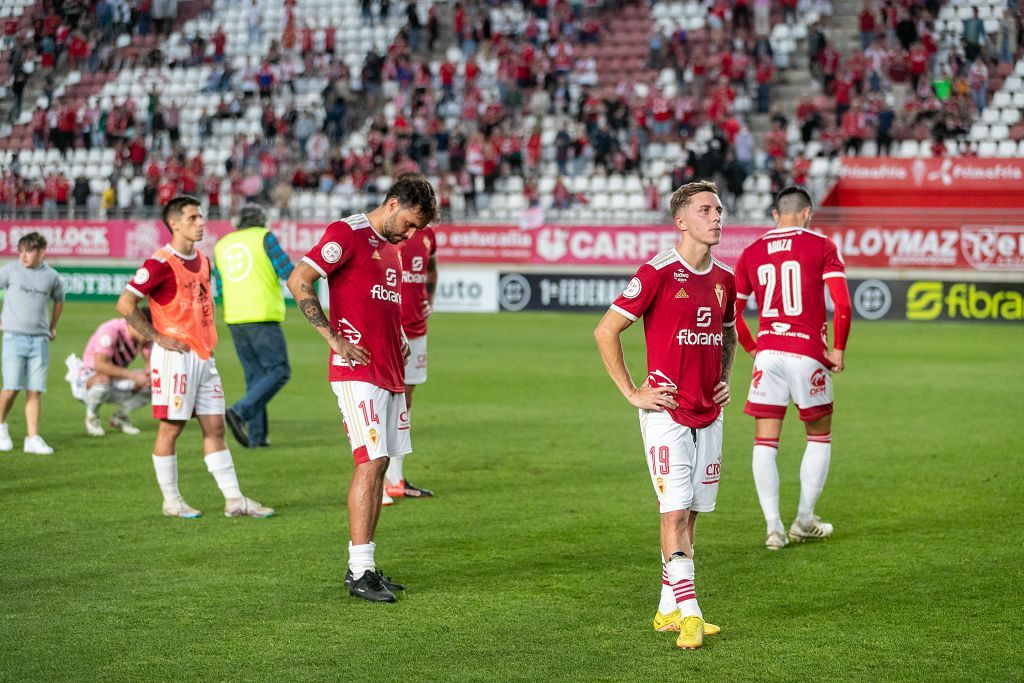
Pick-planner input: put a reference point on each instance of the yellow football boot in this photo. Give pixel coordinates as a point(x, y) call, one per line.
point(664, 623)
point(691, 633)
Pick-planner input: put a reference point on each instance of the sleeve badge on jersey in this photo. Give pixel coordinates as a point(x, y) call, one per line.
point(141, 276)
point(106, 342)
point(331, 252)
point(632, 290)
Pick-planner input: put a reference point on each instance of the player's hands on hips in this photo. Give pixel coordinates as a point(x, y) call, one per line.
point(721, 396)
point(353, 353)
point(171, 344)
point(406, 350)
point(835, 360)
point(653, 398)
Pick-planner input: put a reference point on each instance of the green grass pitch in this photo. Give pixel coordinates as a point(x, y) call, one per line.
point(538, 559)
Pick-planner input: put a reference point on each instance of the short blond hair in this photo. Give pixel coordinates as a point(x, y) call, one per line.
point(682, 196)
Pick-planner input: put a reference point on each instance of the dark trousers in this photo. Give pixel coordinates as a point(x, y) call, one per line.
point(264, 356)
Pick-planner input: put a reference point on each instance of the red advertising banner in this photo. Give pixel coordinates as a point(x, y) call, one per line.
point(627, 246)
point(966, 247)
point(955, 182)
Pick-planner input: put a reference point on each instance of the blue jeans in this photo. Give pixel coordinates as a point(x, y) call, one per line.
point(264, 356)
point(26, 360)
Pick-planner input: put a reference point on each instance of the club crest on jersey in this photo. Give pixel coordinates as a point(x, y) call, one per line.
point(719, 293)
point(177, 402)
point(331, 252)
point(371, 433)
point(376, 255)
point(681, 275)
point(661, 485)
point(349, 331)
point(632, 290)
point(681, 294)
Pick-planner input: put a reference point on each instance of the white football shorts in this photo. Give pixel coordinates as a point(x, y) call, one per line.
point(416, 363)
point(685, 463)
point(376, 420)
point(183, 385)
point(780, 377)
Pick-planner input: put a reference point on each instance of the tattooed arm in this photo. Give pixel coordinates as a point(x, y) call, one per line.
point(128, 307)
point(721, 396)
point(302, 285)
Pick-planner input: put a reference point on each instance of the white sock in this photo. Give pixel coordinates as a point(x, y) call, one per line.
point(166, 467)
point(360, 559)
point(222, 468)
point(96, 396)
point(813, 472)
point(766, 480)
point(394, 473)
point(679, 570)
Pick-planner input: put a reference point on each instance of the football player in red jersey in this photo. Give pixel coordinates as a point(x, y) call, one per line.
point(363, 268)
point(687, 300)
point(787, 270)
point(419, 281)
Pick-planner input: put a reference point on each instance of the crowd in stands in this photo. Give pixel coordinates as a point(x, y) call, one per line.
point(521, 93)
point(904, 82)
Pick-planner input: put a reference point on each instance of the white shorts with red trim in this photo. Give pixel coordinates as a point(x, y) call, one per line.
point(184, 385)
point(781, 377)
point(376, 420)
point(685, 463)
point(416, 363)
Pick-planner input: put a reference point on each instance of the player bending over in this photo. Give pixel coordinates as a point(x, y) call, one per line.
point(103, 374)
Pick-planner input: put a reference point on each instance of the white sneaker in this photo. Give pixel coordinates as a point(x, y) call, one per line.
point(93, 426)
point(123, 423)
point(35, 444)
point(386, 499)
point(816, 529)
point(179, 508)
point(5, 438)
point(776, 541)
point(246, 507)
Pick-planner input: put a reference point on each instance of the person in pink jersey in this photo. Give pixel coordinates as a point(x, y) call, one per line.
point(786, 271)
point(687, 300)
point(419, 281)
point(104, 375)
point(366, 361)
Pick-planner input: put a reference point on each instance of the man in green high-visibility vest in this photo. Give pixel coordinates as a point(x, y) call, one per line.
point(250, 263)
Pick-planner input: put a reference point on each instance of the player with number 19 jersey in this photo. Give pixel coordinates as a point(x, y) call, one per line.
point(684, 312)
point(786, 270)
point(364, 277)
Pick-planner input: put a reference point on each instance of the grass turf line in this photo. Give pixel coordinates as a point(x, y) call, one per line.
point(538, 558)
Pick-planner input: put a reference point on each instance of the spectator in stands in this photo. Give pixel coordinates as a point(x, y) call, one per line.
point(884, 118)
point(866, 23)
point(977, 79)
point(254, 21)
point(81, 193)
point(973, 35)
point(854, 126)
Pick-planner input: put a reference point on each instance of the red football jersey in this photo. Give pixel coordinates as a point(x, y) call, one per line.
point(363, 271)
point(684, 312)
point(785, 270)
point(416, 252)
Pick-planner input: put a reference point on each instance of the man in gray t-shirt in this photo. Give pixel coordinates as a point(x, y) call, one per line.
point(28, 327)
